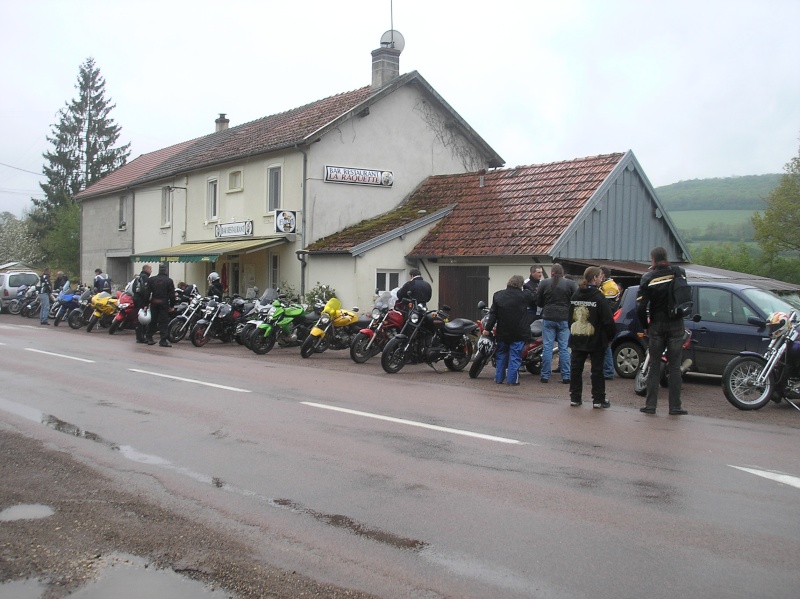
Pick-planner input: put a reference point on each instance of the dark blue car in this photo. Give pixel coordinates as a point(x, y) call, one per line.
point(718, 324)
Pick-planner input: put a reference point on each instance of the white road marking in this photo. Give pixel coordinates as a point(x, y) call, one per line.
point(786, 479)
point(196, 382)
point(432, 427)
point(49, 353)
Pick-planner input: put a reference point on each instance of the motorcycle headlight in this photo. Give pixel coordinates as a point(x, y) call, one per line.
point(484, 343)
point(325, 318)
point(123, 306)
point(376, 312)
point(414, 318)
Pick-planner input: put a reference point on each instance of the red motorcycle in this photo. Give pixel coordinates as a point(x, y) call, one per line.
point(487, 347)
point(386, 323)
point(126, 317)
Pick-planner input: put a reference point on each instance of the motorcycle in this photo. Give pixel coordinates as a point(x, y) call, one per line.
point(751, 380)
point(220, 320)
point(80, 315)
point(335, 329)
point(428, 336)
point(187, 317)
point(30, 304)
point(487, 346)
point(15, 305)
point(67, 301)
point(386, 323)
point(640, 378)
point(286, 325)
point(104, 308)
point(126, 317)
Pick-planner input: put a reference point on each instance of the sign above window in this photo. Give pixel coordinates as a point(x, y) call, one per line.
point(242, 229)
point(285, 221)
point(358, 176)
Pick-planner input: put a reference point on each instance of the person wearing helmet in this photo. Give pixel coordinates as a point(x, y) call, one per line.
point(215, 286)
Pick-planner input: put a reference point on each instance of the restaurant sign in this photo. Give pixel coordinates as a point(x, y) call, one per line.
point(358, 176)
point(241, 229)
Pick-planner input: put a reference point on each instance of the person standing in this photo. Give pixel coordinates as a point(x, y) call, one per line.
point(553, 297)
point(611, 291)
point(532, 283)
point(162, 300)
point(60, 281)
point(45, 289)
point(508, 311)
point(591, 330)
point(102, 282)
point(662, 329)
point(215, 286)
point(141, 294)
point(416, 288)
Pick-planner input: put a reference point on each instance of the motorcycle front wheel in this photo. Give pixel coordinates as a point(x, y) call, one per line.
point(14, 307)
point(177, 330)
point(198, 334)
point(393, 357)
point(359, 352)
point(75, 319)
point(34, 308)
point(114, 326)
point(640, 379)
point(54, 307)
point(310, 346)
point(478, 363)
point(739, 383)
point(91, 323)
point(260, 343)
point(459, 362)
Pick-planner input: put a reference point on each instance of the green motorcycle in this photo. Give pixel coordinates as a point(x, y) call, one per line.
point(286, 325)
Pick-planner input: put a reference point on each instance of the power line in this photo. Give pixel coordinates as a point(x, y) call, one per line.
point(16, 168)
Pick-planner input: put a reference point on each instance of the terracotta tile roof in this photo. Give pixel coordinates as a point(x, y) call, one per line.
point(126, 175)
point(518, 211)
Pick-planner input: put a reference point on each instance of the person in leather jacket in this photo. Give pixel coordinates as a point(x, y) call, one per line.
point(162, 301)
point(661, 329)
point(417, 288)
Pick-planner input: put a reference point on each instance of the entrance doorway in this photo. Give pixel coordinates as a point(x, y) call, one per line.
point(462, 287)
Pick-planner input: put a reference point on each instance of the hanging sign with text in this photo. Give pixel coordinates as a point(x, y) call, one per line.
point(358, 176)
point(242, 229)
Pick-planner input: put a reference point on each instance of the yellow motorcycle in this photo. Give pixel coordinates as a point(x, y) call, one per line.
point(104, 309)
point(335, 329)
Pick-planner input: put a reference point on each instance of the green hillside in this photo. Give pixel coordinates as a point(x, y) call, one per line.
point(729, 193)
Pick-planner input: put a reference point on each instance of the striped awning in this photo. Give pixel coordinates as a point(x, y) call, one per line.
point(207, 252)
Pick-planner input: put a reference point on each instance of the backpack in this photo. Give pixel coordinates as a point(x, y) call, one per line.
point(679, 295)
point(104, 284)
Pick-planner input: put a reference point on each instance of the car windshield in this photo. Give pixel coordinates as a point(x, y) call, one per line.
point(766, 301)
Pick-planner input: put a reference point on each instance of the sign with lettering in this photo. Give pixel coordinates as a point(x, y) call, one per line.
point(285, 221)
point(358, 176)
point(242, 229)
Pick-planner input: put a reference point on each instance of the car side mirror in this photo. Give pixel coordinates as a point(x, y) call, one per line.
point(755, 320)
point(697, 318)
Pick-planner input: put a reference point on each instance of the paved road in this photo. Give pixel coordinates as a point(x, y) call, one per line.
point(424, 483)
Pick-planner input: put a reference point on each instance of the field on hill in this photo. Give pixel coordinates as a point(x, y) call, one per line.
point(701, 219)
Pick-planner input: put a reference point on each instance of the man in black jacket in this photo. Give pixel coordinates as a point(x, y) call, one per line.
point(162, 300)
point(508, 311)
point(141, 294)
point(662, 329)
point(417, 288)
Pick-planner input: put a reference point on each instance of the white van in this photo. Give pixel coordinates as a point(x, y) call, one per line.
point(10, 281)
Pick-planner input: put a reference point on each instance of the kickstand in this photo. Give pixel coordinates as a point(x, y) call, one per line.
point(439, 372)
point(793, 404)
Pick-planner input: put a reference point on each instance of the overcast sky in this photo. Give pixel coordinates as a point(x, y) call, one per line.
point(695, 88)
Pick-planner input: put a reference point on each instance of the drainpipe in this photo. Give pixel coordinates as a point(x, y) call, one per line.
point(302, 252)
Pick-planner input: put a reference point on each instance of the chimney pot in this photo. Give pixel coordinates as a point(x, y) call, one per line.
point(385, 66)
point(222, 122)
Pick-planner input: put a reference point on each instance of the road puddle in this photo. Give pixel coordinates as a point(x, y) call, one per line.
point(123, 576)
point(31, 511)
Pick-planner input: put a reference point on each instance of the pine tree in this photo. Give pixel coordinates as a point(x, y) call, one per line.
point(83, 145)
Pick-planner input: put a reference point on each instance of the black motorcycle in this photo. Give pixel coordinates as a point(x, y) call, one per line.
point(79, 316)
point(427, 337)
point(187, 317)
point(221, 320)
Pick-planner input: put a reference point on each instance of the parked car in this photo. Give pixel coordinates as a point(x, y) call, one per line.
point(718, 324)
point(10, 281)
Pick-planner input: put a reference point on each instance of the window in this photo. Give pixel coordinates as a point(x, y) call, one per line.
point(274, 271)
point(166, 207)
point(715, 304)
point(273, 188)
point(212, 200)
point(386, 280)
point(123, 211)
point(235, 181)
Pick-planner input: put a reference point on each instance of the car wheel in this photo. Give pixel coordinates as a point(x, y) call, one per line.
point(627, 357)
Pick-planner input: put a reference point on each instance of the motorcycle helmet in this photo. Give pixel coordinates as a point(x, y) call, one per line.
point(213, 277)
point(144, 316)
point(777, 323)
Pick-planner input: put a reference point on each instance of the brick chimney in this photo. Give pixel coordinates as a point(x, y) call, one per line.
point(385, 66)
point(222, 122)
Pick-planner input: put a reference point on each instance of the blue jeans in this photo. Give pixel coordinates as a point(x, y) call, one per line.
point(608, 364)
point(508, 358)
point(45, 299)
point(555, 331)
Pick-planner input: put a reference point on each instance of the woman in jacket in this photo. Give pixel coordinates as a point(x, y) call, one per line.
point(591, 330)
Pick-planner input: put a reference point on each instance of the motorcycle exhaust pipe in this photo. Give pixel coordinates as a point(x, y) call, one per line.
point(685, 365)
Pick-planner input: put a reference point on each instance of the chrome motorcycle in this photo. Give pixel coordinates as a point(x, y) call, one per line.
point(751, 380)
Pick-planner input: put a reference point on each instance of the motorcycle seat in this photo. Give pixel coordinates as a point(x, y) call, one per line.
point(459, 326)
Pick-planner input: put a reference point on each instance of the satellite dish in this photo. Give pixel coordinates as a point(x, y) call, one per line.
point(393, 39)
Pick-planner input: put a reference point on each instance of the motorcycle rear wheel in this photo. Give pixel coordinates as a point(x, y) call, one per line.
point(309, 346)
point(459, 362)
point(738, 383)
point(478, 363)
point(359, 352)
point(75, 319)
point(91, 323)
point(393, 357)
point(14, 307)
point(177, 330)
point(260, 343)
point(247, 335)
point(198, 335)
